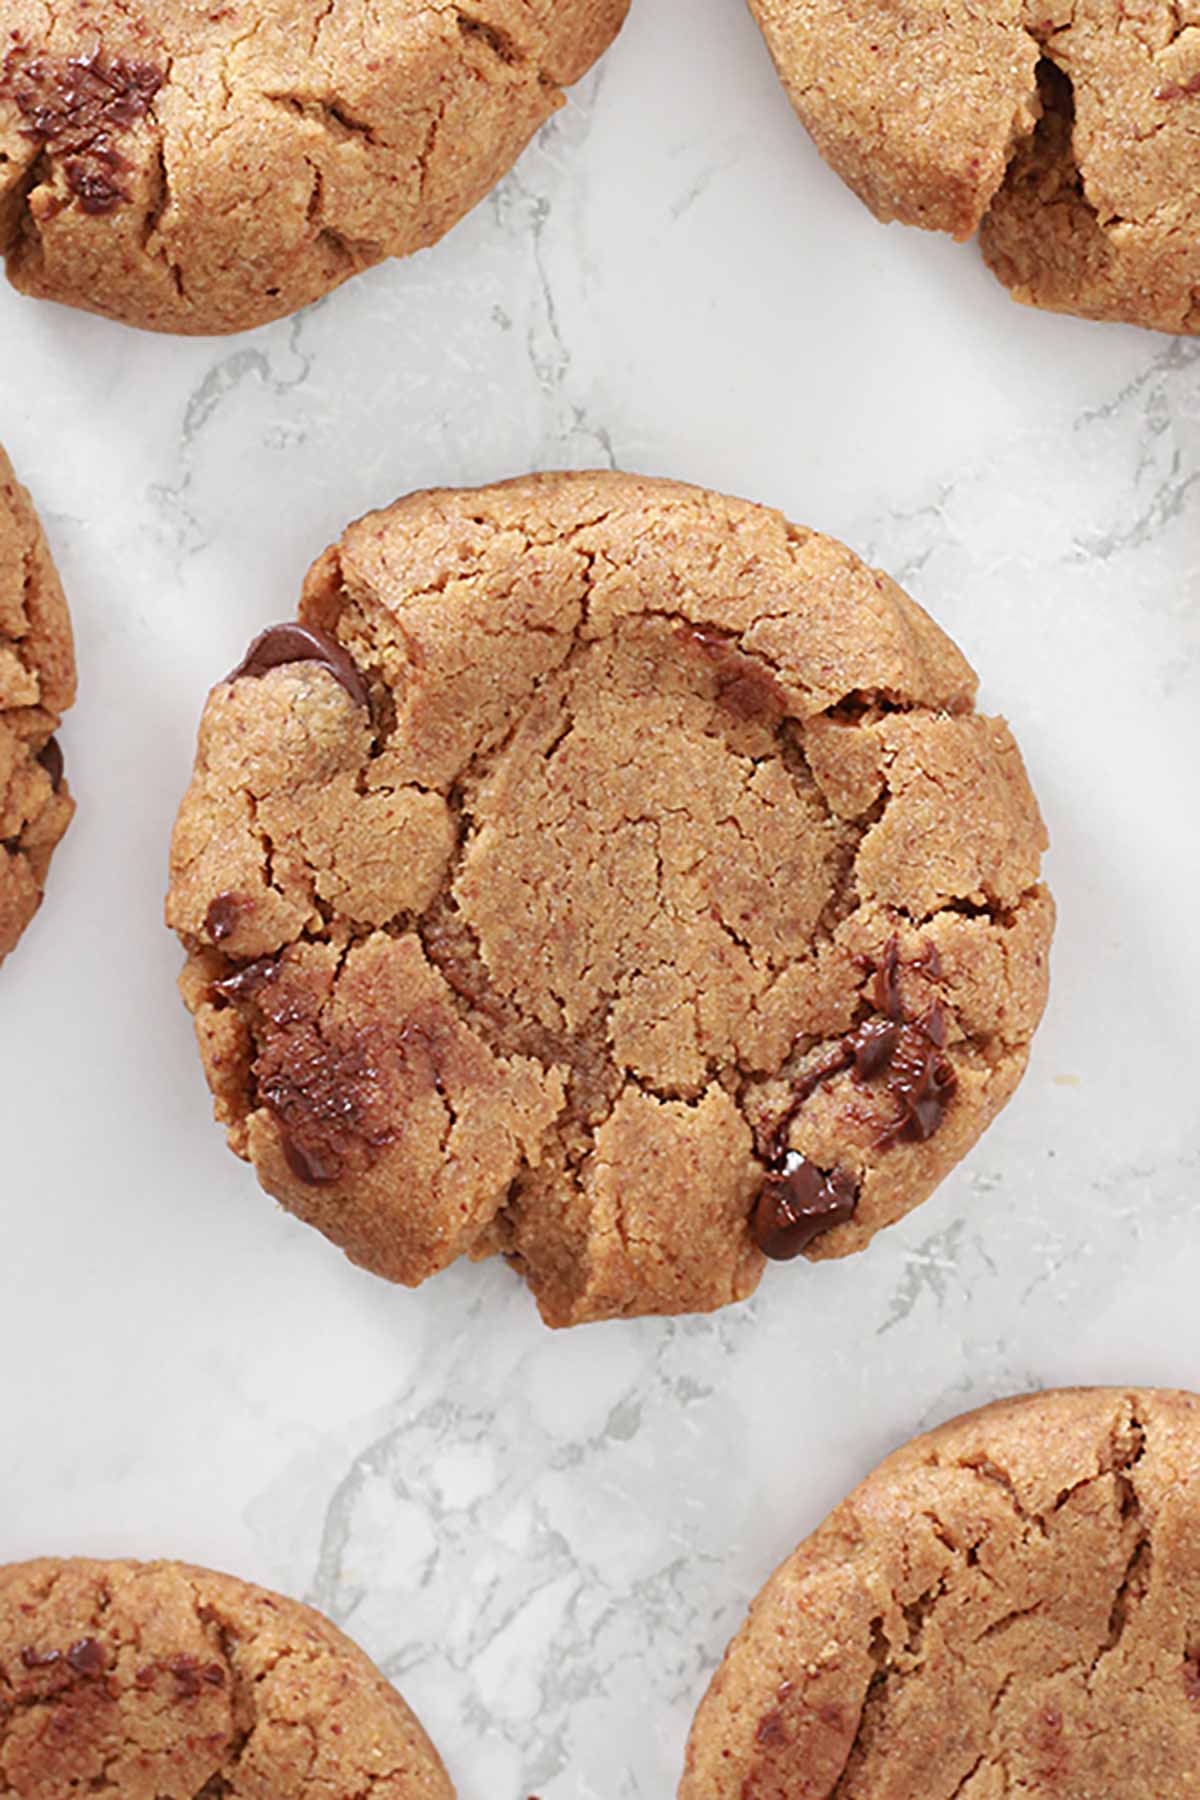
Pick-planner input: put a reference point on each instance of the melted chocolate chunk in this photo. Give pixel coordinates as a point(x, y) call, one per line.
point(796, 1205)
point(922, 1082)
point(245, 983)
point(316, 1165)
point(87, 1657)
point(73, 107)
point(39, 1659)
point(906, 1056)
point(887, 983)
point(93, 181)
point(1191, 1675)
point(220, 921)
point(51, 758)
point(294, 643)
point(873, 1047)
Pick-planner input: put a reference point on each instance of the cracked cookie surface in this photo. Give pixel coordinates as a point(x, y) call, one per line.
point(206, 169)
point(617, 878)
point(1068, 133)
point(37, 685)
point(1009, 1604)
point(160, 1681)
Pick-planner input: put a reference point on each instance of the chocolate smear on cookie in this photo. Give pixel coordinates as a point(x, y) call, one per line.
point(295, 643)
point(744, 687)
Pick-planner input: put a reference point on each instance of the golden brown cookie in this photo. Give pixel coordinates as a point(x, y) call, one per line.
point(206, 168)
point(159, 1681)
point(1067, 131)
point(1008, 1605)
point(612, 875)
point(37, 684)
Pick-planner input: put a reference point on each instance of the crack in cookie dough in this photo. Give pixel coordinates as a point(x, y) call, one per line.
point(1010, 1604)
point(206, 170)
point(159, 1681)
point(37, 685)
point(1068, 134)
point(666, 903)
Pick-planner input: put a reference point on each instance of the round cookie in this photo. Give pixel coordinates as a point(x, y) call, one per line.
point(1068, 134)
point(611, 875)
point(37, 684)
point(1010, 1604)
point(206, 169)
point(160, 1681)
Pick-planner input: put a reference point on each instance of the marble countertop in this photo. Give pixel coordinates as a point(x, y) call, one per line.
point(547, 1539)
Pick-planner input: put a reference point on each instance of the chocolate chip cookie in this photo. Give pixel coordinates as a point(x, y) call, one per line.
point(37, 684)
point(1008, 1605)
point(158, 1681)
point(207, 168)
point(611, 875)
point(1067, 131)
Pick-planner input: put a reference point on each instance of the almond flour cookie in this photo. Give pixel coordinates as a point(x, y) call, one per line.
point(610, 875)
point(204, 169)
point(1068, 133)
point(158, 1681)
point(1008, 1605)
point(37, 684)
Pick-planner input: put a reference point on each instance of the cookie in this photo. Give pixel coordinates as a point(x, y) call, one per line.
point(1068, 134)
point(159, 1681)
point(1008, 1605)
point(611, 875)
point(205, 169)
point(37, 685)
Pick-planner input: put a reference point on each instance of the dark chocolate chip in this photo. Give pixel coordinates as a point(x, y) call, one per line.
point(887, 982)
point(796, 1205)
point(220, 921)
point(318, 1166)
point(39, 1659)
point(192, 1677)
point(87, 1657)
point(295, 643)
point(93, 181)
point(243, 984)
point(769, 1730)
point(51, 758)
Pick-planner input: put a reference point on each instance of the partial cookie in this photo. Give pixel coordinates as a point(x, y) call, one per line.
point(1069, 134)
point(37, 685)
point(205, 169)
point(159, 1681)
point(1008, 1605)
point(612, 875)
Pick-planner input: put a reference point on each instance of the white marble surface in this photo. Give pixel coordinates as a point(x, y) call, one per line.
point(547, 1539)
